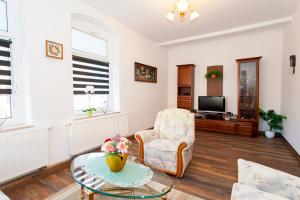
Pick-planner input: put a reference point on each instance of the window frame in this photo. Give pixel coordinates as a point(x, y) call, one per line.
point(76, 52)
point(91, 55)
point(6, 8)
point(19, 111)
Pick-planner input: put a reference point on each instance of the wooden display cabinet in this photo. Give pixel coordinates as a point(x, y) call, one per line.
point(185, 86)
point(248, 96)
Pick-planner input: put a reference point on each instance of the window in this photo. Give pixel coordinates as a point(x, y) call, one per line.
point(89, 44)
point(90, 71)
point(5, 78)
point(3, 15)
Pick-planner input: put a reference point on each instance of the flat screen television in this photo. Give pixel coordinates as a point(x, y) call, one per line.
point(211, 104)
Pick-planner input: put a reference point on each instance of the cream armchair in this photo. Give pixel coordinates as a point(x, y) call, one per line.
point(168, 147)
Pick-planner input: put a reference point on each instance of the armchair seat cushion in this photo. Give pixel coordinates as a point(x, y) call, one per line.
point(162, 149)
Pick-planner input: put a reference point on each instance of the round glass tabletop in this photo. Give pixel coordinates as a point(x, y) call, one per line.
point(91, 172)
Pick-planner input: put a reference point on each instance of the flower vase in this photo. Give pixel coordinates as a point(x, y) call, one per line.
point(116, 162)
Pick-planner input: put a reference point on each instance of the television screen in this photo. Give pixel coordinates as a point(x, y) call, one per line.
point(211, 103)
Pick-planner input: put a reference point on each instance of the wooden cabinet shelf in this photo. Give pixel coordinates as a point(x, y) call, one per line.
point(185, 86)
point(248, 96)
point(221, 126)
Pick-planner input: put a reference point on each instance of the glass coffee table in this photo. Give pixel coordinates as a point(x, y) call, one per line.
point(84, 169)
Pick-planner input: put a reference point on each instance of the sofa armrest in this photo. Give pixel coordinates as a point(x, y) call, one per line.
point(245, 192)
point(147, 135)
point(143, 137)
point(268, 179)
point(189, 141)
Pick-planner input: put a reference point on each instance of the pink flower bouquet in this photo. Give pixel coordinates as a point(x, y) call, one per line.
point(116, 145)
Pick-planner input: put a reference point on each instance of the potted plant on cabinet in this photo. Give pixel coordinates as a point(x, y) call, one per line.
point(214, 74)
point(273, 120)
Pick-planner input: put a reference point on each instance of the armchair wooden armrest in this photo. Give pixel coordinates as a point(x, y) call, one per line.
point(143, 137)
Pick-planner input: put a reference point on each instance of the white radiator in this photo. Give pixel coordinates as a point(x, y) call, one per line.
point(86, 134)
point(22, 151)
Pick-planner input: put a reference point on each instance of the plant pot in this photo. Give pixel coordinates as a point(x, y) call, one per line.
point(116, 162)
point(213, 76)
point(89, 113)
point(269, 134)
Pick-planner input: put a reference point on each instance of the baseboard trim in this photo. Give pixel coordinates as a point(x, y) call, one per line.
point(29, 178)
point(41, 173)
point(291, 148)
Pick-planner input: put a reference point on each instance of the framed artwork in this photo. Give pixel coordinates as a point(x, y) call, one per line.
point(145, 73)
point(54, 50)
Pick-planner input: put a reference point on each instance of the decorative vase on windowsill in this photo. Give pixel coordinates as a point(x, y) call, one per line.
point(116, 149)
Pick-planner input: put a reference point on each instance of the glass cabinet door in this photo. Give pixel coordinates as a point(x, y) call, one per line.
point(248, 87)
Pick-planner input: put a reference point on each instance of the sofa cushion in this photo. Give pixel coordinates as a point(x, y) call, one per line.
point(174, 123)
point(245, 192)
point(163, 149)
point(268, 179)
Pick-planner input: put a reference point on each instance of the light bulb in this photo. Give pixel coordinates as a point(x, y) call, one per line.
point(170, 16)
point(193, 15)
point(182, 5)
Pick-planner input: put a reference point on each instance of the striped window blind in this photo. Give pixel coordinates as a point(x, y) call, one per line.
point(5, 67)
point(90, 72)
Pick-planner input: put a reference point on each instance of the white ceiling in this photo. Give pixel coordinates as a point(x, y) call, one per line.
point(148, 16)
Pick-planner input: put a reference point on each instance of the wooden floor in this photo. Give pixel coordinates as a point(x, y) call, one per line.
point(210, 175)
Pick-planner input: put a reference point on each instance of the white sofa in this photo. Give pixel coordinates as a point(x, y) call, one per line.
point(258, 182)
point(168, 147)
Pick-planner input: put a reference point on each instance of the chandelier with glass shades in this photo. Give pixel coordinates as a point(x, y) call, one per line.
point(182, 8)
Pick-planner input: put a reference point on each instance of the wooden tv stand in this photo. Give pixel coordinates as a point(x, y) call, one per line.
point(217, 125)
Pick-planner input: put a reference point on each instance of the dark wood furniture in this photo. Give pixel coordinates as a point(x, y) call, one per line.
point(215, 86)
point(214, 125)
point(185, 86)
point(248, 96)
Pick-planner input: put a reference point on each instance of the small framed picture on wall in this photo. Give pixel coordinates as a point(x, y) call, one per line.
point(54, 50)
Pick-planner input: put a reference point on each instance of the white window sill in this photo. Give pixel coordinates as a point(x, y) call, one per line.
point(83, 116)
point(14, 127)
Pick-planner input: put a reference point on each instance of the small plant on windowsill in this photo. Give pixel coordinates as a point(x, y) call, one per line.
point(274, 121)
point(89, 90)
point(214, 74)
point(89, 112)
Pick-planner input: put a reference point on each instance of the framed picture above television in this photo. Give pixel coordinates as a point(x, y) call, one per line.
point(145, 73)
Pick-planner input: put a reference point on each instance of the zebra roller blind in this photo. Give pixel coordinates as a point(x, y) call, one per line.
point(90, 72)
point(5, 67)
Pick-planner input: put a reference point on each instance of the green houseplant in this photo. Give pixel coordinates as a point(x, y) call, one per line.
point(273, 120)
point(89, 90)
point(89, 112)
point(214, 74)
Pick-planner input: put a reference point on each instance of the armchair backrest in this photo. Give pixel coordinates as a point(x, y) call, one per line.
point(174, 123)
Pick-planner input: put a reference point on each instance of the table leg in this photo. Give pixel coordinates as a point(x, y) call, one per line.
point(82, 193)
point(91, 196)
point(165, 196)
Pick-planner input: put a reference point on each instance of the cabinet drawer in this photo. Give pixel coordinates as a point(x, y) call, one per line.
point(184, 98)
point(184, 104)
point(206, 125)
point(247, 129)
point(227, 127)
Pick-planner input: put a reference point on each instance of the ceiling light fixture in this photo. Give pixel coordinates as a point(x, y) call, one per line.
point(182, 8)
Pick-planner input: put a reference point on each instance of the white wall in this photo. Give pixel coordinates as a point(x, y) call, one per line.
point(50, 80)
point(224, 51)
point(291, 83)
